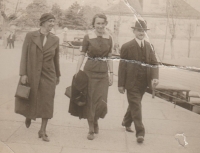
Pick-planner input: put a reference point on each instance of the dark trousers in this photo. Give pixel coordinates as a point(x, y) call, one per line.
point(11, 43)
point(134, 111)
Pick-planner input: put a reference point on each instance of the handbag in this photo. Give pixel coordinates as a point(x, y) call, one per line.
point(68, 91)
point(23, 91)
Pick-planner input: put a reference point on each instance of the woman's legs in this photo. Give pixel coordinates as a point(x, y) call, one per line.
point(91, 130)
point(42, 132)
point(96, 126)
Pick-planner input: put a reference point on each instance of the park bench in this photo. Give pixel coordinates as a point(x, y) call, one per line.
point(193, 94)
point(72, 47)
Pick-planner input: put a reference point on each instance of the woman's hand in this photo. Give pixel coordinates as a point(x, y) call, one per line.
point(24, 79)
point(111, 79)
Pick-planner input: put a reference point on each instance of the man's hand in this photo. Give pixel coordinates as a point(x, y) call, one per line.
point(154, 83)
point(57, 80)
point(24, 79)
point(121, 90)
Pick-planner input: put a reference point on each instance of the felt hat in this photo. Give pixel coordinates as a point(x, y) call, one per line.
point(140, 24)
point(46, 17)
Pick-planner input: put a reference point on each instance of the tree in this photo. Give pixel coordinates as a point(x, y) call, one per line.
point(88, 14)
point(34, 12)
point(190, 32)
point(57, 12)
point(7, 19)
point(73, 18)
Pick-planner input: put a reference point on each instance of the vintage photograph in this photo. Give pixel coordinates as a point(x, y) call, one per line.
point(109, 76)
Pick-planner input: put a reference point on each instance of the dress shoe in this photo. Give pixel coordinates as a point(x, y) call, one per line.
point(140, 139)
point(28, 122)
point(90, 136)
point(43, 135)
point(128, 129)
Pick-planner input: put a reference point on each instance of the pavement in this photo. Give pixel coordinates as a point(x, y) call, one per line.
point(166, 126)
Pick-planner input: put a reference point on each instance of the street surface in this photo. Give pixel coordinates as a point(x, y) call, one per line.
point(68, 134)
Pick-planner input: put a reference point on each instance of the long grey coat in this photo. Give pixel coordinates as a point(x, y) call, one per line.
point(41, 65)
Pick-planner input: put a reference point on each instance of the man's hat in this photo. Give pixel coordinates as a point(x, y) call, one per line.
point(46, 17)
point(140, 24)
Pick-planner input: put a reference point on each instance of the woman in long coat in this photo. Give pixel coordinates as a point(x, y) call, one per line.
point(98, 46)
point(39, 68)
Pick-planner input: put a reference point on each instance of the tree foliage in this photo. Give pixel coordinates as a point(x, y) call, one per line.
point(57, 12)
point(79, 17)
point(73, 17)
point(34, 12)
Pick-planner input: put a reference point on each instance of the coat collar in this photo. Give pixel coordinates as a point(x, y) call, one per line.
point(50, 40)
point(93, 35)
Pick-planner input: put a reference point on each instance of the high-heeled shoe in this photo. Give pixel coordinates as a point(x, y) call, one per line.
point(28, 122)
point(44, 136)
point(90, 136)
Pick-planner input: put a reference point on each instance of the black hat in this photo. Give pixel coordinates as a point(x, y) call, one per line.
point(140, 24)
point(46, 17)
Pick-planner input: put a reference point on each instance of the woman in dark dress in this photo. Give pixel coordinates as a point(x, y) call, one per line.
point(98, 46)
point(39, 68)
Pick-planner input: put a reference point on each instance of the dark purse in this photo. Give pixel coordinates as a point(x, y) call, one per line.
point(68, 91)
point(23, 91)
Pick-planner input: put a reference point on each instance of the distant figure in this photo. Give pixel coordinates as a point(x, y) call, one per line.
point(11, 40)
point(135, 77)
point(39, 68)
point(7, 34)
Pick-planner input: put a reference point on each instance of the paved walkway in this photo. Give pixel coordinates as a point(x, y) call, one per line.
point(68, 134)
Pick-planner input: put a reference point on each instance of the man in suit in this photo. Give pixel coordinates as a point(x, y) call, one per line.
point(138, 69)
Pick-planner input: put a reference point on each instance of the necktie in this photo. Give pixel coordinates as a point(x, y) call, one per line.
point(45, 40)
point(141, 45)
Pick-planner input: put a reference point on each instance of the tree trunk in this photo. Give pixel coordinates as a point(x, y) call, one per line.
point(189, 42)
point(172, 47)
point(4, 29)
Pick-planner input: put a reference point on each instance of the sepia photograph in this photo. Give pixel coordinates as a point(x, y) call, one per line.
point(107, 76)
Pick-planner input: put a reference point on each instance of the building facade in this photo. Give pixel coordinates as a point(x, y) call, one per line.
point(174, 25)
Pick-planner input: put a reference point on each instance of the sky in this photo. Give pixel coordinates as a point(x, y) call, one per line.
point(104, 4)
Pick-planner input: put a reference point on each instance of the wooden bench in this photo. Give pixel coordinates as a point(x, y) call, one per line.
point(193, 94)
point(196, 104)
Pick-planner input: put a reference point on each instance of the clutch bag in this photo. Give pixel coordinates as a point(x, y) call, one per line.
point(23, 92)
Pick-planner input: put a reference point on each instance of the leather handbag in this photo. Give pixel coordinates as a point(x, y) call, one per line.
point(68, 91)
point(23, 91)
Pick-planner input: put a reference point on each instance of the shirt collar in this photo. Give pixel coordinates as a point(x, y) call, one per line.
point(93, 35)
point(139, 41)
point(43, 34)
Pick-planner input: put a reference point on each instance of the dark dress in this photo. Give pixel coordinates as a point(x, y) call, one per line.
point(97, 71)
point(41, 65)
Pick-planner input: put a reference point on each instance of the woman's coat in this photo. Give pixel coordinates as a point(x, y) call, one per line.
point(41, 65)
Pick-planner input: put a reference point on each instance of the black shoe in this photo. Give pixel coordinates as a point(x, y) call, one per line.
point(28, 122)
point(90, 136)
point(128, 129)
point(140, 139)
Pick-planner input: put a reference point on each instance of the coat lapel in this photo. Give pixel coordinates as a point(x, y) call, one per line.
point(134, 50)
point(147, 47)
point(36, 39)
point(51, 40)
